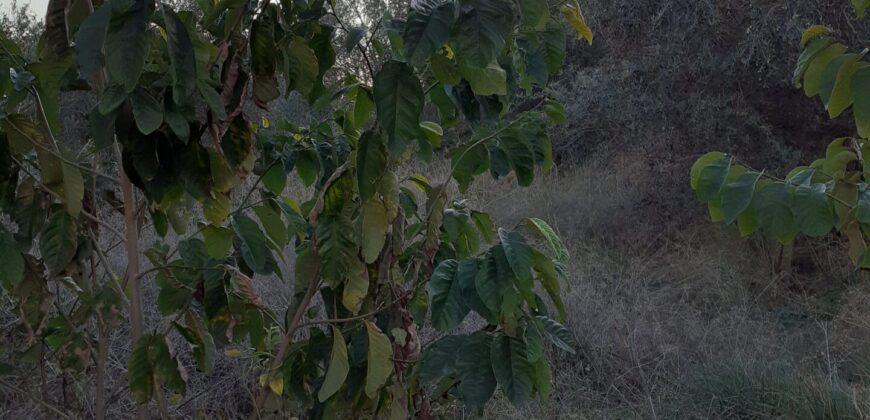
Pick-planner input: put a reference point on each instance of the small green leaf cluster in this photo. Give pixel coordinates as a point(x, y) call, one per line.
point(829, 194)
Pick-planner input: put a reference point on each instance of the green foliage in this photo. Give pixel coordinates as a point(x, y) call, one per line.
point(399, 102)
point(384, 255)
point(815, 199)
point(11, 262)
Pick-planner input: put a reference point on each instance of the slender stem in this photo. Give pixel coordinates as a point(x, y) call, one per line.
point(785, 181)
point(432, 86)
point(350, 319)
point(132, 247)
point(361, 48)
point(287, 341)
point(100, 379)
point(257, 182)
point(481, 141)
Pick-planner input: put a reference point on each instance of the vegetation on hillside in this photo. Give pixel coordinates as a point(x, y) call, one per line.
point(376, 256)
point(667, 316)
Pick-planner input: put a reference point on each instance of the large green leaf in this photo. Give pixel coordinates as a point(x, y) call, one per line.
point(860, 92)
point(253, 240)
point(338, 367)
point(518, 252)
point(812, 49)
point(73, 186)
point(711, 178)
point(860, 7)
point(213, 100)
point(737, 195)
point(812, 210)
point(439, 359)
point(112, 98)
point(494, 277)
point(181, 56)
point(152, 363)
point(301, 66)
point(548, 234)
point(373, 230)
point(535, 13)
point(379, 365)
point(514, 372)
point(548, 276)
point(140, 373)
point(445, 71)
point(264, 60)
point(356, 288)
point(543, 378)
point(275, 179)
point(558, 334)
point(829, 79)
point(529, 59)
point(517, 145)
point(474, 365)
point(201, 342)
point(448, 306)
point(125, 43)
point(773, 211)
point(817, 67)
point(427, 29)
point(469, 161)
point(89, 41)
point(11, 262)
point(862, 208)
point(273, 225)
point(841, 91)
point(466, 275)
point(362, 107)
point(399, 102)
point(165, 365)
point(489, 80)
point(354, 36)
point(336, 245)
point(553, 40)
point(533, 335)
point(480, 31)
point(371, 163)
point(147, 112)
point(57, 242)
point(702, 163)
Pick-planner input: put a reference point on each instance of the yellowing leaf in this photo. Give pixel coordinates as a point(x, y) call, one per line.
point(338, 367)
point(356, 288)
point(380, 365)
point(374, 229)
point(433, 132)
point(73, 188)
point(812, 32)
point(489, 80)
point(216, 208)
point(574, 16)
point(276, 383)
point(233, 353)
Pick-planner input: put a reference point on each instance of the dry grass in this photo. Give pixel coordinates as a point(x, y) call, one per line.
point(688, 323)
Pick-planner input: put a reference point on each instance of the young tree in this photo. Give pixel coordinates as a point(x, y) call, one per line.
point(829, 194)
point(384, 255)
